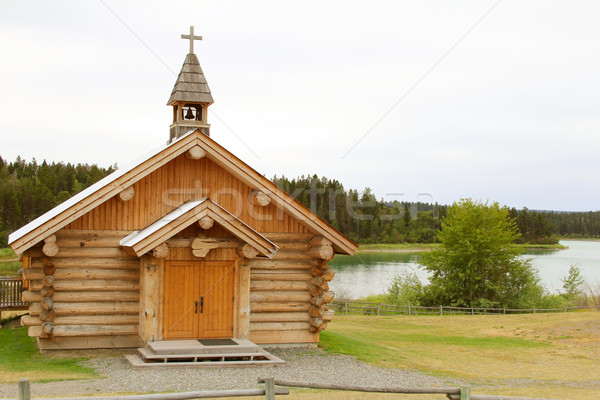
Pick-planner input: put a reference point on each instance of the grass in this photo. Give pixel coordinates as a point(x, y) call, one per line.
point(20, 358)
point(10, 268)
point(549, 355)
point(7, 253)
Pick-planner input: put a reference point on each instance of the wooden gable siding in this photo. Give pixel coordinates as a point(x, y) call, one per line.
point(173, 184)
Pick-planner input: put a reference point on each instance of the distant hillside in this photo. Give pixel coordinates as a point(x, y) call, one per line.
point(29, 189)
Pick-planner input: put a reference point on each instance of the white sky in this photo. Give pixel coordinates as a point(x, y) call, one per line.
point(510, 114)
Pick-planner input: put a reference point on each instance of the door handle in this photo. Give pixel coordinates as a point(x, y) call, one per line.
point(201, 305)
point(196, 304)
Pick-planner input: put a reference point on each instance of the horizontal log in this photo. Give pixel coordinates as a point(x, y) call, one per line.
point(328, 315)
point(126, 194)
point(316, 312)
point(50, 249)
point(92, 262)
point(320, 241)
point(28, 320)
point(315, 291)
point(288, 236)
point(96, 320)
point(316, 322)
point(47, 291)
point(31, 274)
point(292, 255)
point(30, 297)
point(50, 239)
point(85, 330)
point(279, 285)
point(47, 330)
point(95, 284)
point(47, 303)
point(328, 296)
point(48, 280)
point(206, 222)
point(48, 315)
point(316, 271)
point(279, 296)
point(99, 252)
point(317, 301)
point(279, 317)
point(89, 308)
point(267, 306)
point(161, 250)
point(49, 269)
point(97, 273)
point(294, 245)
point(286, 275)
point(329, 274)
point(279, 326)
point(91, 296)
point(322, 252)
point(245, 250)
point(266, 264)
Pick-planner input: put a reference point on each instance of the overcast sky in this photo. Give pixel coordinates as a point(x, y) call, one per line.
point(490, 100)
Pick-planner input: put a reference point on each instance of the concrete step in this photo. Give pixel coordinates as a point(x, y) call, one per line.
point(146, 360)
point(166, 347)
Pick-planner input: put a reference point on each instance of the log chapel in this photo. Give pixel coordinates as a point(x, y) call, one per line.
point(187, 243)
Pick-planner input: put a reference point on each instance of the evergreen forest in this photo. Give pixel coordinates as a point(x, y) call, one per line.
point(28, 189)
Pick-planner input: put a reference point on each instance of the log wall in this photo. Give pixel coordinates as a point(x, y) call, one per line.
point(282, 292)
point(88, 290)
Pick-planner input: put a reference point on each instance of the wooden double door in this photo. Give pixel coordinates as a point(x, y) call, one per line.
point(199, 299)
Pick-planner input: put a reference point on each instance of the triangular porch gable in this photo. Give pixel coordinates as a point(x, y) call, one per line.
point(140, 242)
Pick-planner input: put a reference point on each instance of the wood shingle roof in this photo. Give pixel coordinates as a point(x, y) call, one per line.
point(191, 85)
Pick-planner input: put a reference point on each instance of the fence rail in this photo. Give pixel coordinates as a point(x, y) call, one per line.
point(351, 307)
point(270, 391)
point(10, 294)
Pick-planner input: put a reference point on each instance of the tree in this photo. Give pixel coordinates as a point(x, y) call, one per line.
point(572, 282)
point(477, 265)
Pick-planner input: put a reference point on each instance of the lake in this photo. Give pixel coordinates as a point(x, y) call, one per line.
point(370, 273)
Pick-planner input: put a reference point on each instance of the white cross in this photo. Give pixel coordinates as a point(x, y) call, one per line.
point(191, 38)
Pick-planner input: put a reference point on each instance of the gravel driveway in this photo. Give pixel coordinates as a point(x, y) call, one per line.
point(302, 365)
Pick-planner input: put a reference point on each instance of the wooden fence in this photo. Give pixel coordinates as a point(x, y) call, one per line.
point(270, 391)
point(10, 295)
point(351, 307)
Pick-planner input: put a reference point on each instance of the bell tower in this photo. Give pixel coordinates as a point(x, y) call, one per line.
point(191, 96)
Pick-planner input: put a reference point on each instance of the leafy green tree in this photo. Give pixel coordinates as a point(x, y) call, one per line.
point(477, 266)
point(572, 282)
point(406, 290)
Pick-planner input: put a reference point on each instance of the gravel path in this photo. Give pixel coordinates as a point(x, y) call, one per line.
point(302, 365)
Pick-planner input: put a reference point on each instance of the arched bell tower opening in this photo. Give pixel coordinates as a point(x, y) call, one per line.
point(191, 95)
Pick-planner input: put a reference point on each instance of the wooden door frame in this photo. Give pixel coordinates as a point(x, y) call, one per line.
point(152, 296)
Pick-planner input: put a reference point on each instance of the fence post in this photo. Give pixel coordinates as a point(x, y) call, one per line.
point(409, 310)
point(534, 310)
point(24, 392)
point(472, 311)
point(346, 307)
point(504, 310)
point(441, 311)
point(465, 393)
point(269, 389)
point(378, 308)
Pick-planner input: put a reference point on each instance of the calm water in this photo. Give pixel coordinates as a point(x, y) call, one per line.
point(371, 273)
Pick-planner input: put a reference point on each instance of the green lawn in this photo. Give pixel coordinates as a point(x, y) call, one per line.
point(549, 355)
point(20, 358)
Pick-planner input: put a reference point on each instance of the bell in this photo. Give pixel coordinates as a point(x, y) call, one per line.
point(189, 114)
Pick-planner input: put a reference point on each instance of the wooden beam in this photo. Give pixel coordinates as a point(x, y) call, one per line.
point(260, 198)
point(245, 250)
point(322, 252)
point(201, 246)
point(50, 249)
point(127, 194)
point(320, 241)
point(206, 222)
point(195, 153)
point(161, 250)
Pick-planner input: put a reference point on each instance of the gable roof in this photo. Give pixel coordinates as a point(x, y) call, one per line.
point(185, 215)
point(191, 85)
point(65, 213)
